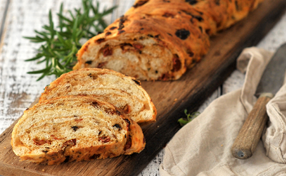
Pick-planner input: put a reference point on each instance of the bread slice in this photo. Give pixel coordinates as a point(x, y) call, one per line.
point(74, 128)
point(124, 92)
point(160, 39)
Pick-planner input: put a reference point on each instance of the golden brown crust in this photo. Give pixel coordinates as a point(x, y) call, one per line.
point(135, 141)
point(179, 29)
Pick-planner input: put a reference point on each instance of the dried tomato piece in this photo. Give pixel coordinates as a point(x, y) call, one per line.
point(107, 51)
point(101, 64)
point(126, 109)
point(176, 63)
point(128, 124)
point(128, 143)
point(165, 77)
point(71, 142)
point(78, 120)
point(138, 46)
point(55, 138)
point(112, 111)
point(104, 139)
point(41, 141)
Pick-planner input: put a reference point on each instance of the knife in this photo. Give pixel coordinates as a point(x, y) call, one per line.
point(271, 81)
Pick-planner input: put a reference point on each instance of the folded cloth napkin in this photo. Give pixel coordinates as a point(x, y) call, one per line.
point(202, 147)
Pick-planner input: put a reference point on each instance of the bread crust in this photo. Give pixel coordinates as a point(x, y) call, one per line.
point(127, 92)
point(160, 39)
point(42, 149)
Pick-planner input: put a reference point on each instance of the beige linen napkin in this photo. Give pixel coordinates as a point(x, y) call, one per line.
point(202, 147)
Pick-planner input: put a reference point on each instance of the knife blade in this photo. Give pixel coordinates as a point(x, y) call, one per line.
point(270, 82)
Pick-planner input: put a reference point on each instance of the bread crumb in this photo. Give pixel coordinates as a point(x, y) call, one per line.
point(5, 147)
point(43, 170)
point(221, 145)
point(175, 99)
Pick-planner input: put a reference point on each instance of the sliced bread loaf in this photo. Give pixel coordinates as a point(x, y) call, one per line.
point(160, 39)
point(74, 128)
point(124, 92)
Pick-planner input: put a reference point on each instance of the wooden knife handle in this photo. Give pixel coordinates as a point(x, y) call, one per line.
point(250, 133)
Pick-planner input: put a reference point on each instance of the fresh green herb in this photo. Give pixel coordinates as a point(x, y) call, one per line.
point(60, 44)
point(190, 117)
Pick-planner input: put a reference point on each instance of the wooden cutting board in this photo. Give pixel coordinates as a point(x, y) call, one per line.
point(170, 99)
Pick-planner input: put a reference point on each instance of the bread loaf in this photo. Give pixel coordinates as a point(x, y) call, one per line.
point(74, 128)
point(160, 39)
point(124, 92)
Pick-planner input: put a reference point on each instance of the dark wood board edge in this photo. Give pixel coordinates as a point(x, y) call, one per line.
point(135, 163)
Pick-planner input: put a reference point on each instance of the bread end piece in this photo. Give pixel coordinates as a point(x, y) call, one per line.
point(74, 128)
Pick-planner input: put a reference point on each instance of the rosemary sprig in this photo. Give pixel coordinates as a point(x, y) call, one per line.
point(190, 117)
point(60, 44)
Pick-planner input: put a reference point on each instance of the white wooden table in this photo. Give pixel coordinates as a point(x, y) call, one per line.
point(18, 90)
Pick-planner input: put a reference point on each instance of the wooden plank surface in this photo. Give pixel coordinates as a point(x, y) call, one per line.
point(191, 90)
point(18, 89)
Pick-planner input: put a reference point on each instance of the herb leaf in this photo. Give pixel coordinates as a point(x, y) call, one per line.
point(61, 43)
point(189, 117)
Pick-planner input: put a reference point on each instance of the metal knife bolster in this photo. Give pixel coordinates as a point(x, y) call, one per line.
point(266, 94)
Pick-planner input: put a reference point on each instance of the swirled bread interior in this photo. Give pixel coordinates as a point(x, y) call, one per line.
point(124, 92)
point(74, 128)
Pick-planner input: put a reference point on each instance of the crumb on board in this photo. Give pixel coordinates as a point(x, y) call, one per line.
point(43, 170)
point(175, 99)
